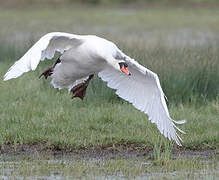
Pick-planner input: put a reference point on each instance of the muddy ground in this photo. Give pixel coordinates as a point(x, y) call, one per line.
point(119, 150)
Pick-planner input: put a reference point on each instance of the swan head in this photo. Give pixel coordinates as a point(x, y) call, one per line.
point(124, 68)
point(119, 65)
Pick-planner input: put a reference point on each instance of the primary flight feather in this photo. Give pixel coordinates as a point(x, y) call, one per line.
point(82, 56)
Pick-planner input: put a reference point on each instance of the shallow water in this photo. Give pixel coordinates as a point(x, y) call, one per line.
point(36, 165)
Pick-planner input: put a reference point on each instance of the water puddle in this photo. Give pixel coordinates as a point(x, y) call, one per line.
point(36, 165)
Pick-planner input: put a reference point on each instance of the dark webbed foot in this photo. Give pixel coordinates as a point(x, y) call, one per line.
point(48, 72)
point(80, 89)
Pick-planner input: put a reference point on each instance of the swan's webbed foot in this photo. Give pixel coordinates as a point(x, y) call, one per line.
point(80, 89)
point(48, 72)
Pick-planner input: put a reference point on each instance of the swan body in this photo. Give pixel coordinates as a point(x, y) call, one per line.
point(82, 56)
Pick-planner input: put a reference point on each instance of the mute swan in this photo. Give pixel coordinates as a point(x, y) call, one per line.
point(82, 56)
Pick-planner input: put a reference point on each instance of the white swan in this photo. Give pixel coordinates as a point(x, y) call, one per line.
point(84, 56)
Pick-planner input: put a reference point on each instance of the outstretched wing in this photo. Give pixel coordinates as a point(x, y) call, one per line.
point(44, 48)
point(143, 90)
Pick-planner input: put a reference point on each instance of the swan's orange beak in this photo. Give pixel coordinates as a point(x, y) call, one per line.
point(125, 70)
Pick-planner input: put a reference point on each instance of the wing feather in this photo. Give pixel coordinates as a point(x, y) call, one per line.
point(143, 90)
point(42, 49)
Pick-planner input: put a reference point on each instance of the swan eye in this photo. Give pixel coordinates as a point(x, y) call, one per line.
point(123, 64)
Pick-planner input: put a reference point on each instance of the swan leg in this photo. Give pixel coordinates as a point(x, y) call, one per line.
point(48, 72)
point(80, 89)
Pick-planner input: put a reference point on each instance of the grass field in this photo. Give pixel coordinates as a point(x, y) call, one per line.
point(180, 45)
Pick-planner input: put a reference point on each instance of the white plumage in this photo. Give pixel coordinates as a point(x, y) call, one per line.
point(86, 55)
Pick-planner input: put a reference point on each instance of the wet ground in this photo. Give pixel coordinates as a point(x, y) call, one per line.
point(125, 150)
point(36, 162)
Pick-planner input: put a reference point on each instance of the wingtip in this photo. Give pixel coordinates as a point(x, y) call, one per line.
point(5, 77)
point(178, 140)
point(180, 122)
point(179, 144)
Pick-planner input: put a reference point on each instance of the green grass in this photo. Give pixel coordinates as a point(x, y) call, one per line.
point(33, 112)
